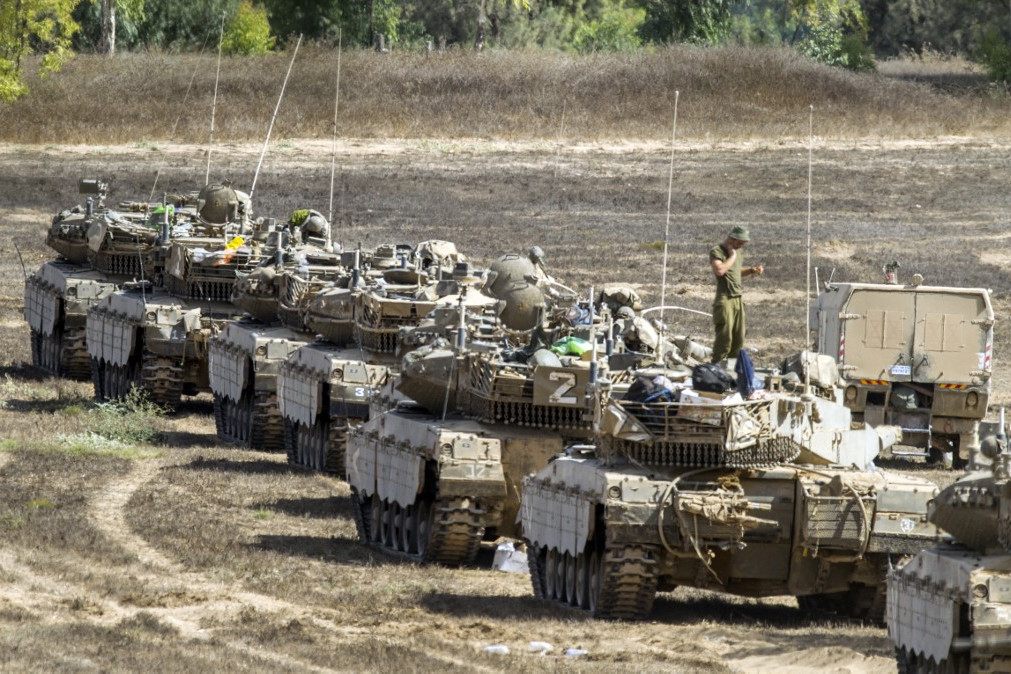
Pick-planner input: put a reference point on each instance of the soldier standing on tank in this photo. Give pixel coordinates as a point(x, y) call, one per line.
point(309, 223)
point(727, 260)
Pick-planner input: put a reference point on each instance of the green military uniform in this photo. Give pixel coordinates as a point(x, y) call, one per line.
point(728, 307)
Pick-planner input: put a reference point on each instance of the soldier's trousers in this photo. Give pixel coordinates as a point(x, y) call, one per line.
point(728, 319)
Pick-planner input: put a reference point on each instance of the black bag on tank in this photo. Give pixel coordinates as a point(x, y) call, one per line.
point(712, 379)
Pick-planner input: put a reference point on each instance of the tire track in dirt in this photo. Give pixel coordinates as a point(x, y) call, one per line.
point(213, 601)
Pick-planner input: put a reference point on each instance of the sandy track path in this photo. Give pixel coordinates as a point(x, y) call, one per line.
point(212, 602)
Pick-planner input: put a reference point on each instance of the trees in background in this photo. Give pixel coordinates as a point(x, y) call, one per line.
point(33, 26)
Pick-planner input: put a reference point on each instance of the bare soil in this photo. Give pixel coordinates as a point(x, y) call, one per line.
point(190, 555)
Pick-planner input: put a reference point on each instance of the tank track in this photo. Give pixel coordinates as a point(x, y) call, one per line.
point(336, 453)
point(98, 379)
point(163, 381)
point(909, 663)
point(266, 428)
point(445, 531)
point(616, 582)
point(75, 362)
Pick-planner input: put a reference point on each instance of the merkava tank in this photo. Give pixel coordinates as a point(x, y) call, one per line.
point(442, 471)
point(754, 497)
point(99, 250)
point(244, 358)
point(325, 387)
point(949, 607)
point(156, 336)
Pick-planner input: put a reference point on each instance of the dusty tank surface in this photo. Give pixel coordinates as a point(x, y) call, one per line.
point(245, 357)
point(749, 497)
point(915, 356)
point(949, 607)
point(322, 391)
point(158, 337)
point(434, 488)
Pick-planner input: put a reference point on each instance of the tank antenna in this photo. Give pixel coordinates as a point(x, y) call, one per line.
point(214, 103)
point(23, 269)
point(807, 276)
point(273, 117)
point(558, 152)
point(175, 125)
point(333, 155)
point(666, 234)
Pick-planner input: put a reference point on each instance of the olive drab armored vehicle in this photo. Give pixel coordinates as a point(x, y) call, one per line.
point(949, 607)
point(750, 497)
point(156, 336)
point(916, 356)
point(244, 359)
point(99, 250)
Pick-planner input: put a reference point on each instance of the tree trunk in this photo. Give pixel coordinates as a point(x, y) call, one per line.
point(481, 19)
point(107, 44)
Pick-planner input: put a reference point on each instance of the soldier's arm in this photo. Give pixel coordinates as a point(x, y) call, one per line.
point(721, 267)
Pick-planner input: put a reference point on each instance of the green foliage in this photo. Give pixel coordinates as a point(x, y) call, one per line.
point(133, 421)
point(994, 53)
point(33, 27)
point(828, 43)
point(699, 21)
point(616, 29)
point(248, 31)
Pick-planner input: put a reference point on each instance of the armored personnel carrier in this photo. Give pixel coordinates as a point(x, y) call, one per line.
point(915, 356)
point(949, 607)
point(244, 358)
point(750, 497)
point(99, 249)
point(156, 336)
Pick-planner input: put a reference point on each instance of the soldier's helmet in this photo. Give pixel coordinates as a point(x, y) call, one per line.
point(536, 255)
point(218, 203)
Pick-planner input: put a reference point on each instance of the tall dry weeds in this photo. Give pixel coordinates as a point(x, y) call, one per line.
point(730, 93)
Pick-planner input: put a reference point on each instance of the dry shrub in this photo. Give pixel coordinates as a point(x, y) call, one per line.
point(728, 93)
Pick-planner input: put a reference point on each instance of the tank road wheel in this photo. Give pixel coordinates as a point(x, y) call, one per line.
point(109, 383)
point(266, 430)
point(386, 536)
point(422, 524)
point(163, 380)
point(570, 579)
point(551, 574)
point(560, 579)
point(582, 580)
point(36, 342)
point(290, 441)
point(98, 379)
point(219, 422)
point(396, 527)
point(408, 531)
point(595, 580)
point(337, 446)
point(535, 562)
point(321, 441)
point(376, 519)
point(361, 511)
point(74, 360)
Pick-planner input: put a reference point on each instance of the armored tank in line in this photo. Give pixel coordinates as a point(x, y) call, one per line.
point(99, 250)
point(915, 356)
point(245, 358)
point(747, 496)
point(156, 336)
point(949, 607)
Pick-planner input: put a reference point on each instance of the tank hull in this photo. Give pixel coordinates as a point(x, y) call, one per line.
point(434, 489)
point(244, 360)
point(322, 391)
point(825, 533)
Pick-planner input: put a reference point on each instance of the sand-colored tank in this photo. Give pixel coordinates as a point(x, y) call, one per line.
point(915, 356)
point(696, 490)
point(949, 607)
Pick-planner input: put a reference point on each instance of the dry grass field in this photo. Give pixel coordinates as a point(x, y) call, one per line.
point(178, 554)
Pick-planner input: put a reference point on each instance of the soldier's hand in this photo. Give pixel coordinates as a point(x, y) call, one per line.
point(758, 270)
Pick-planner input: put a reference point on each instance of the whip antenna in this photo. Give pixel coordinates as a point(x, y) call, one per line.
point(666, 233)
point(558, 151)
point(214, 103)
point(175, 125)
point(273, 117)
point(807, 276)
point(333, 156)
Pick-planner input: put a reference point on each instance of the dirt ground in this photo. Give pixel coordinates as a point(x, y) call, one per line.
point(189, 555)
